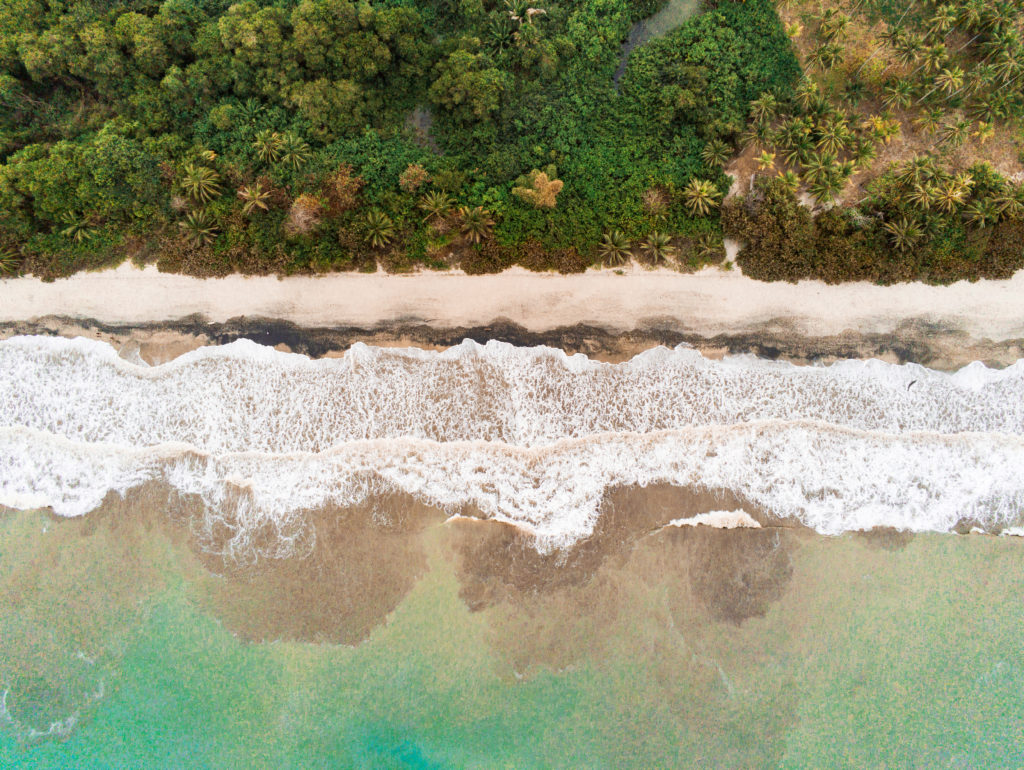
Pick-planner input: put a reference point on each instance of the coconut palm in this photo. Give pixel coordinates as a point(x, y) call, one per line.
point(499, 35)
point(435, 205)
point(950, 79)
point(805, 93)
point(833, 24)
point(253, 197)
point(903, 233)
point(833, 135)
point(909, 49)
point(700, 196)
point(379, 228)
point(929, 120)
point(790, 179)
point(898, 94)
point(10, 261)
point(267, 144)
point(934, 57)
point(77, 227)
point(199, 228)
point(864, 153)
point(955, 133)
point(764, 108)
point(715, 153)
point(949, 197)
point(249, 111)
point(658, 247)
point(294, 150)
point(921, 196)
point(943, 20)
point(826, 56)
point(476, 223)
point(614, 248)
point(200, 183)
point(708, 247)
point(981, 213)
point(919, 170)
point(827, 188)
point(985, 132)
point(818, 166)
point(766, 160)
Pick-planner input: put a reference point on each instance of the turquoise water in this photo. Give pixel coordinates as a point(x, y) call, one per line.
point(871, 656)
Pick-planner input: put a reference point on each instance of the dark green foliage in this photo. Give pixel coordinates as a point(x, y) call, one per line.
point(150, 128)
point(782, 242)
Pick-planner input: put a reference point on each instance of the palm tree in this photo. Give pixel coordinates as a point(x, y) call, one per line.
point(955, 133)
point(826, 56)
point(805, 93)
point(790, 179)
point(981, 213)
point(435, 204)
point(77, 227)
point(898, 94)
point(918, 170)
point(10, 262)
point(935, 57)
point(904, 233)
point(909, 49)
point(766, 160)
point(833, 24)
point(700, 196)
point(254, 197)
point(864, 153)
point(764, 107)
point(922, 196)
point(614, 248)
point(1009, 204)
point(943, 20)
point(200, 183)
point(199, 227)
point(250, 110)
point(949, 196)
point(267, 145)
point(294, 150)
point(929, 120)
point(476, 223)
point(950, 79)
point(658, 247)
point(833, 135)
point(818, 166)
point(985, 132)
point(379, 229)
point(709, 247)
point(715, 153)
point(827, 188)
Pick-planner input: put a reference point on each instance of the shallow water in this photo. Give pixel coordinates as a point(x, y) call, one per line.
point(483, 558)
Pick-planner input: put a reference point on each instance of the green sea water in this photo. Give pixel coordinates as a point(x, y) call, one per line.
point(874, 654)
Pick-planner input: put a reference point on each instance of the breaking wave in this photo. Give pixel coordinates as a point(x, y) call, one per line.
point(527, 435)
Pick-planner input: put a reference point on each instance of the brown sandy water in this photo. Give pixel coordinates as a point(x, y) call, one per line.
point(644, 645)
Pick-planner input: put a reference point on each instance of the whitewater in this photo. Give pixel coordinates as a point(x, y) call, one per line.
point(528, 436)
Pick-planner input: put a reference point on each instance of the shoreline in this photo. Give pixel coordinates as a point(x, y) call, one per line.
point(708, 302)
point(607, 316)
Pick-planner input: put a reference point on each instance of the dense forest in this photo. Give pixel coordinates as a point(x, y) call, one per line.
point(320, 135)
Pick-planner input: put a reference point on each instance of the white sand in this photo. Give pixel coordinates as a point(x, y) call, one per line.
point(710, 302)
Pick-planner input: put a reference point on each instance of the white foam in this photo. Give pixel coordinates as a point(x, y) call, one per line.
point(719, 520)
point(530, 436)
point(246, 397)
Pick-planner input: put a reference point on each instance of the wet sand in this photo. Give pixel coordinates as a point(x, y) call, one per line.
point(935, 346)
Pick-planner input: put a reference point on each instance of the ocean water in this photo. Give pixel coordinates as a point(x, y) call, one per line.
point(464, 559)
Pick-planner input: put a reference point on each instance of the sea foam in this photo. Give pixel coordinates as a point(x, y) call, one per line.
point(529, 436)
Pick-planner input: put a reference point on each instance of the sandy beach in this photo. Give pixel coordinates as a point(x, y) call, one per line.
point(709, 302)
